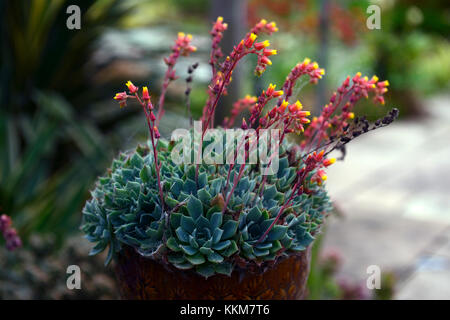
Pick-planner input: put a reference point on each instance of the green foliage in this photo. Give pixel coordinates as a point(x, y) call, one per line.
point(51, 148)
point(194, 230)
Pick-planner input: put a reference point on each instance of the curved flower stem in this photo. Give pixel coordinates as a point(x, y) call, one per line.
point(235, 182)
point(155, 152)
point(162, 97)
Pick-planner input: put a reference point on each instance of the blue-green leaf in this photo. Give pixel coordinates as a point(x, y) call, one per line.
point(233, 248)
point(277, 233)
point(216, 220)
point(172, 244)
point(205, 251)
point(195, 207)
point(221, 245)
point(145, 174)
point(205, 270)
point(182, 235)
point(229, 229)
point(196, 259)
point(215, 257)
point(224, 268)
point(254, 214)
point(270, 192)
point(187, 223)
point(217, 235)
point(204, 195)
point(190, 187)
point(202, 179)
point(188, 249)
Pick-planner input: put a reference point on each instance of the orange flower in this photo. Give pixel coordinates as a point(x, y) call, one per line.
point(269, 52)
point(297, 106)
point(120, 96)
point(282, 106)
point(145, 94)
point(261, 45)
point(131, 87)
point(250, 40)
point(266, 60)
point(329, 162)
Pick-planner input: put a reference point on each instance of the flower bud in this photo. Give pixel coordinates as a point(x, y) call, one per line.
point(273, 112)
point(156, 131)
point(244, 125)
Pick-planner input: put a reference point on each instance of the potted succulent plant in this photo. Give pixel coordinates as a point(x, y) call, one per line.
point(236, 230)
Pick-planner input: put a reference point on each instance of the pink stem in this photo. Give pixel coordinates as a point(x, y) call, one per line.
point(162, 97)
point(155, 152)
point(236, 180)
point(294, 191)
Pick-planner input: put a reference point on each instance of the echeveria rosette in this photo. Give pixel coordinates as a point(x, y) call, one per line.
point(202, 241)
point(124, 208)
point(252, 226)
point(297, 237)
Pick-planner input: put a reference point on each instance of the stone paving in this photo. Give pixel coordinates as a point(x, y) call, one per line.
point(393, 191)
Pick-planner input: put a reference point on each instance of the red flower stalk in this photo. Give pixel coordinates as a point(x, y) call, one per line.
point(304, 68)
point(222, 79)
point(287, 121)
point(181, 47)
point(263, 99)
point(264, 27)
point(12, 239)
point(345, 98)
point(147, 106)
point(217, 34)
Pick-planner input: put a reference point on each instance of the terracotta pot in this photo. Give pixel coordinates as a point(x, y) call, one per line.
point(143, 278)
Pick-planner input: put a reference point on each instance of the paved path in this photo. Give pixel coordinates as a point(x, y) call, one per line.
point(393, 190)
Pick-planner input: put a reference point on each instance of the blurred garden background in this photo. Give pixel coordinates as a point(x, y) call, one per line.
point(60, 128)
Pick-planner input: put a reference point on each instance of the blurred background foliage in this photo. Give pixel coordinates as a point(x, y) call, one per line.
point(52, 147)
point(59, 127)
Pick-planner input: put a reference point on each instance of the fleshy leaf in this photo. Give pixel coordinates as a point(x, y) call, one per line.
point(277, 233)
point(195, 207)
